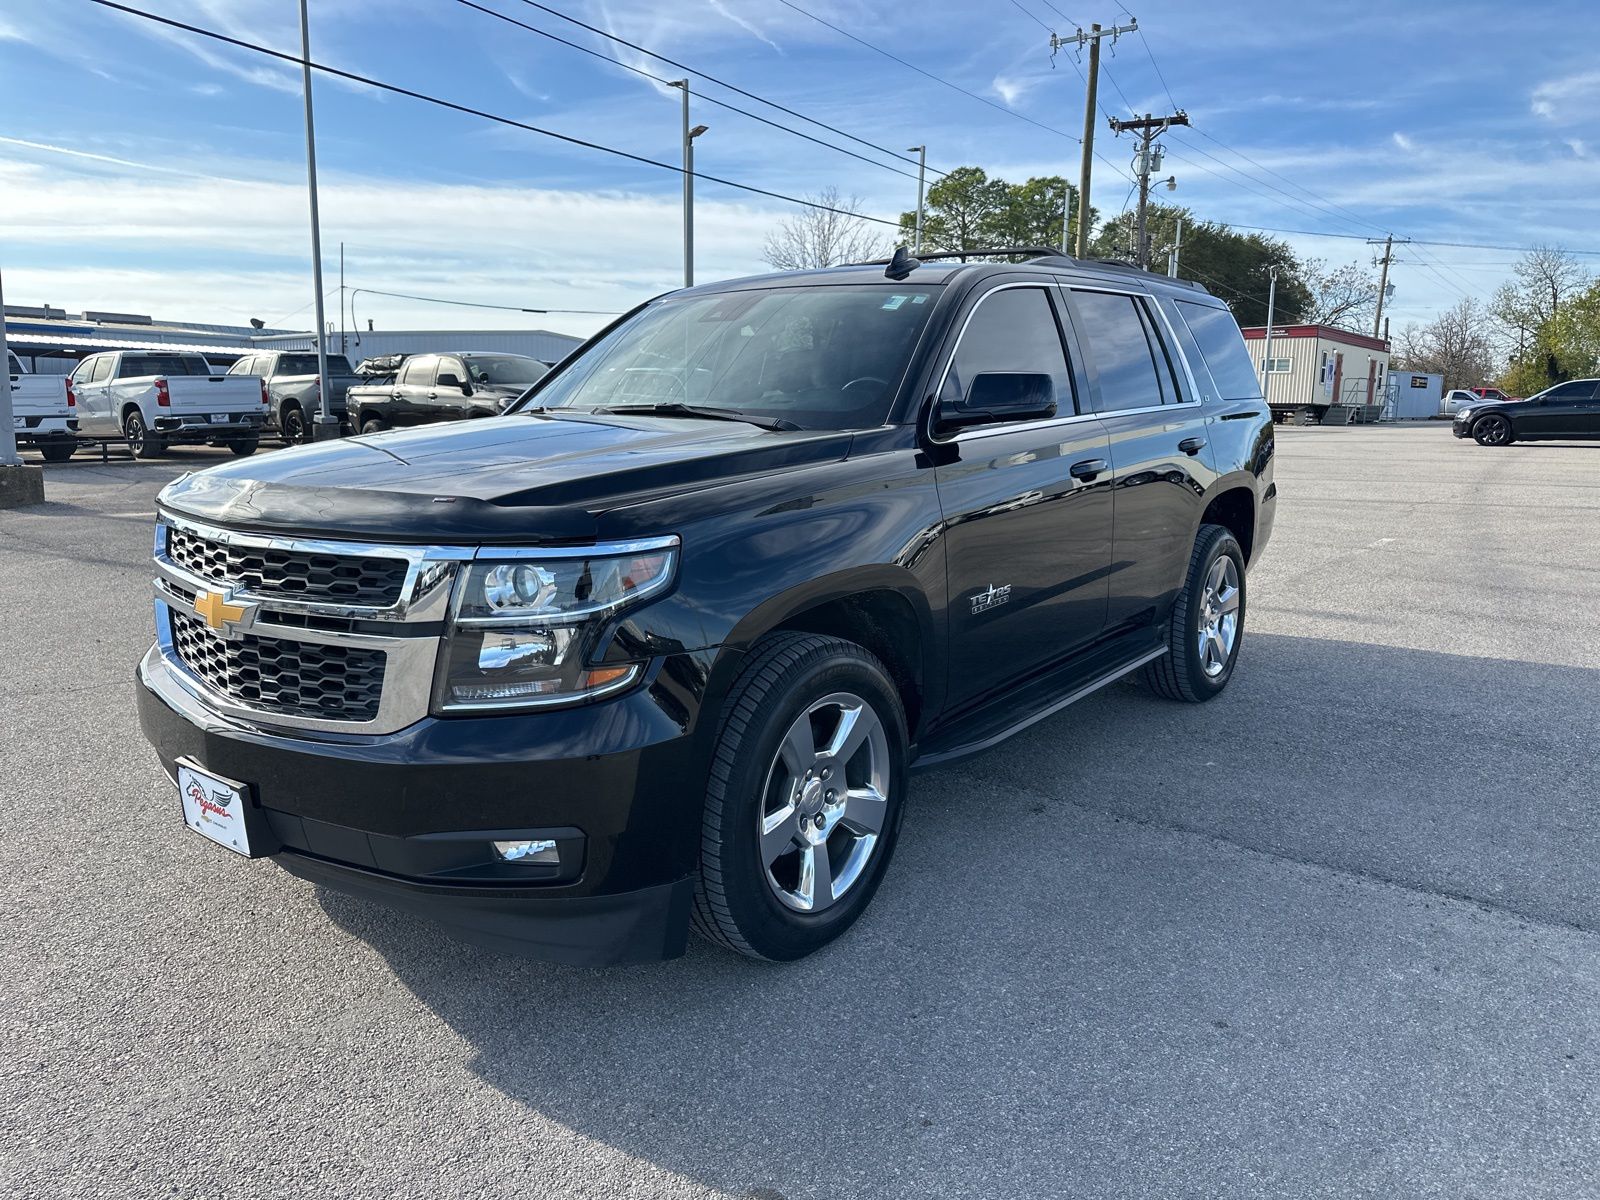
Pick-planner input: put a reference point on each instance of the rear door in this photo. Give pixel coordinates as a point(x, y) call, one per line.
point(1027, 543)
point(1160, 463)
point(91, 386)
point(411, 388)
point(1566, 410)
point(446, 399)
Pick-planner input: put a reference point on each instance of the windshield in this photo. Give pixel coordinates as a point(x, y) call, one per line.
point(819, 357)
point(306, 364)
point(504, 370)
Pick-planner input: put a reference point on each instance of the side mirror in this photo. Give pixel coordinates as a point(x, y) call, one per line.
point(1000, 396)
point(450, 379)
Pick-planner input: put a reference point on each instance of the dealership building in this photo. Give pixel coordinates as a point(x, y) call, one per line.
point(51, 341)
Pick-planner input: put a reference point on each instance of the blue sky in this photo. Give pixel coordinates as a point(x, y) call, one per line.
point(146, 170)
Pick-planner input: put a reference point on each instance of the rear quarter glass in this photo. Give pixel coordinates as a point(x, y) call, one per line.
point(1222, 347)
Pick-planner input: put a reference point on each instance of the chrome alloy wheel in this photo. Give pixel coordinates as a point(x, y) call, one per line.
point(1219, 616)
point(824, 804)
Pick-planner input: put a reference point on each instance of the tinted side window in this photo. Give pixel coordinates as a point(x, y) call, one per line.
point(1117, 336)
point(418, 371)
point(1222, 347)
point(1013, 329)
point(1579, 391)
point(452, 366)
point(246, 365)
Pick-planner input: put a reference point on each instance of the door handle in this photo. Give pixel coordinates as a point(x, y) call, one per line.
point(1087, 469)
point(394, 396)
point(1192, 445)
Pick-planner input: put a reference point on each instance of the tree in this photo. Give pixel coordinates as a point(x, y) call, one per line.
point(1526, 308)
point(1034, 213)
point(962, 211)
point(1233, 266)
point(817, 237)
point(1345, 296)
point(1459, 345)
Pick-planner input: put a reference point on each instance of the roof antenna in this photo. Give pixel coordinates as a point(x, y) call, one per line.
point(902, 264)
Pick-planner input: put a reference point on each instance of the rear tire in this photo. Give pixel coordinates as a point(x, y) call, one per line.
point(1203, 643)
point(57, 452)
point(244, 447)
point(785, 861)
point(292, 425)
point(142, 440)
point(1493, 430)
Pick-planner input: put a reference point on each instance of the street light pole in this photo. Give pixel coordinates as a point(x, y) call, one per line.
point(326, 425)
point(922, 172)
point(8, 433)
point(689, 135)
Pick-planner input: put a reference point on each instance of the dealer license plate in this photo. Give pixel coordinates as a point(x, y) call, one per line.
point(213, 807)
point(220, 418)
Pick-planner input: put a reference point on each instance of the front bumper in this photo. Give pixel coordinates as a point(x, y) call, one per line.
point(1461, 428)
point(406, 818)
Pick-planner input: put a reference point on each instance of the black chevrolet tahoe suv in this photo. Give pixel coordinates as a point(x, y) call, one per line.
point(658, 647)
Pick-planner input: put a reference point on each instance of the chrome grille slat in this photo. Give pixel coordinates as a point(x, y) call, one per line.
point(276, 675)
point(290, 573)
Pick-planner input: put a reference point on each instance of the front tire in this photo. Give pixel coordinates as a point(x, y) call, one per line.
point(804, 799)
point(142, 440)
point(1206, 630)
point(1493, 430)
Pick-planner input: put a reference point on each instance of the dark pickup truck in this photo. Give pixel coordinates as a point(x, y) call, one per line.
point(428, 388)
point(658, 648)
point(295, 390)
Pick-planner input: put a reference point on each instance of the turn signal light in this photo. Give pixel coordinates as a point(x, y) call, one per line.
point(266, 396)
point(163, 397)
point(72, 396)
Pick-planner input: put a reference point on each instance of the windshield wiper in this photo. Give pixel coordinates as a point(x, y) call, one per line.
point(678, 409)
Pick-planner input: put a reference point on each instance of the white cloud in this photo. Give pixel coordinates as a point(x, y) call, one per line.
point(1012, 88)
point(1568, 100)
point(1403, 141)
point(1578, 147)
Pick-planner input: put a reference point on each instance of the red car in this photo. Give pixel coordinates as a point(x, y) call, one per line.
point(1490, 393)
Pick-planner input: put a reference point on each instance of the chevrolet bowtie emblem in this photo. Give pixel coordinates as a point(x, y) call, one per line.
point(219, 612)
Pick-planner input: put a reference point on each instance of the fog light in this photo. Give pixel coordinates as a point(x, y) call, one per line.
point(538, 852)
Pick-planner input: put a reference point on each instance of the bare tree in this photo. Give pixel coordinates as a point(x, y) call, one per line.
point(1458, 345)
point(1345, 296)
point(817, 237)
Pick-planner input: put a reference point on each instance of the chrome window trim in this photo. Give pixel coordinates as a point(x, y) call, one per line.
point(1173, 347)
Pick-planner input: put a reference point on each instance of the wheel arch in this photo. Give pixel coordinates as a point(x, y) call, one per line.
point(1232, 504)
point(880, 608)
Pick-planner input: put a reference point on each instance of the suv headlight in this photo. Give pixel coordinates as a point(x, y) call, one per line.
point(523, 629)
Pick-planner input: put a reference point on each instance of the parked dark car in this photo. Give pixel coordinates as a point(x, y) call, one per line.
point(296, 390)
point(659, 647)
point(442, 387)
point(1567, 411)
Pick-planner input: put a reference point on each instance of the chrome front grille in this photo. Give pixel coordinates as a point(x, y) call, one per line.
point(299, 574)
point(276, 675)
point(302, 632)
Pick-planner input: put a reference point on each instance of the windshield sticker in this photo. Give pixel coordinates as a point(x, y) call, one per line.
point(918, 299)
point(894, 302)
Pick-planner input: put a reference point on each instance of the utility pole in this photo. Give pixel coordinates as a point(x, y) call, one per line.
point(689, 136)
point(342, 347)
point(1266, 350)
point(922, 173)
point(1147, 163)
point(1383, 281)
point(1092, 82)
point(1066, 220)
point(326, 425)
point(1177, 248)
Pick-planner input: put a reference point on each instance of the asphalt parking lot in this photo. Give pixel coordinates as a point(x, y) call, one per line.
point(1333, 934)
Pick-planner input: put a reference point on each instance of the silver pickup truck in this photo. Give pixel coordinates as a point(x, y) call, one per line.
point(155, 399)
point(291, 381)
point(42, 412)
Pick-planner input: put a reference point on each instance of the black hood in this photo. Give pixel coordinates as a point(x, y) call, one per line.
point(544, 478)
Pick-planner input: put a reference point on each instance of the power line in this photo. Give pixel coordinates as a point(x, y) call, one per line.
point(478, 112)
point(588, 312)
point(621, 41)
point(1157, 66)
point(701, 96)
point(1010, 112)
point(1414, 241)
point(1031, 17)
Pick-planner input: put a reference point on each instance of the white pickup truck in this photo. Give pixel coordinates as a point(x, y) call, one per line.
point(158, 398)
point(41, 412)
